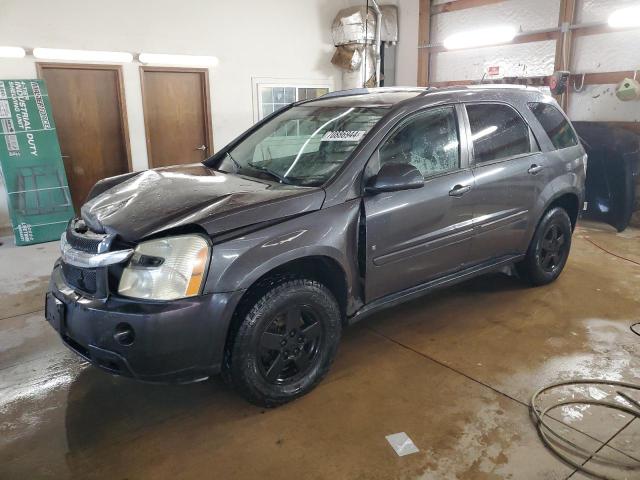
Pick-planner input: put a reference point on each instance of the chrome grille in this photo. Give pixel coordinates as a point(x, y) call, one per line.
point(80, 238)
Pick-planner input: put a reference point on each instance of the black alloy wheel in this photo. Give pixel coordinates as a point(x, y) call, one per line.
point(553, 248)
point(549, 248)
point(289, 344)
point(284, 345)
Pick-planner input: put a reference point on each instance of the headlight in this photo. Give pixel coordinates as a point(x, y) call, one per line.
point(166, 269)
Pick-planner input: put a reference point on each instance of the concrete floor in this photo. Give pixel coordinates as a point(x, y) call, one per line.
point(454, 370)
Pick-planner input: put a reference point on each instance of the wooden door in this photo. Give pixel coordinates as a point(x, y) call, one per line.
point(89, 112)
point(176, 114)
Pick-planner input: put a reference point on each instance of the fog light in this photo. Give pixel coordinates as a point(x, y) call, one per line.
point(124, 334)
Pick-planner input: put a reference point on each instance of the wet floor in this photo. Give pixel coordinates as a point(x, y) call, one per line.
point(454, 370)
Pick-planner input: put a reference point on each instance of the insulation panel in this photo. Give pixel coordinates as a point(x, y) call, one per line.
point(525, 59)
point(522, 14)
point(608, 52)
point(589, 11)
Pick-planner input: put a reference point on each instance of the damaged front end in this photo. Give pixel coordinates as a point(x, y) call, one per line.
point(146, 330)
point(87, 257)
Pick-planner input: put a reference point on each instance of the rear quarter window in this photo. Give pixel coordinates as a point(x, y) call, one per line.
point(555, 124)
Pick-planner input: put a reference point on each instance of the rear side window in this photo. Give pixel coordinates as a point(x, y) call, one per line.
point(555, 124)
point(497, 132)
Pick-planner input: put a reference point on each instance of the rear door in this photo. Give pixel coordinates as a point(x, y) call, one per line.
point(416, 235)
point(510, 172)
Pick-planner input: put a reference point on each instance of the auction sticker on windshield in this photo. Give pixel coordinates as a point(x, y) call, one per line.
point(344, 136)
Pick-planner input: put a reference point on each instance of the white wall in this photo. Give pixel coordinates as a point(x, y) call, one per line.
point(251, 38)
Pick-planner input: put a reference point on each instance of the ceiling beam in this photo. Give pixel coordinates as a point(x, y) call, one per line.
point(461, 5)
point(424, 37)
point(597, 29)
point(601, 78)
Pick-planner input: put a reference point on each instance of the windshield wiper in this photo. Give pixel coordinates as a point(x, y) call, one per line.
point(235, 162)
point(270, 172)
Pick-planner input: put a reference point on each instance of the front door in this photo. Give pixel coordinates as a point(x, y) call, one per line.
point(416, 235)
point(88, 108)
point(176, 115)
point(509, 173)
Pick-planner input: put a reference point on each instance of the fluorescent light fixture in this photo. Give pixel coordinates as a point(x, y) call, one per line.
point(82, 55)
point(625, 17)
point(12, 52)
point(480, 38)
point(182, 60)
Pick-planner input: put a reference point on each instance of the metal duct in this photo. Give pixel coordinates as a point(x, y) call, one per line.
point(364, 74)
point(350, 25)
point(358, 41)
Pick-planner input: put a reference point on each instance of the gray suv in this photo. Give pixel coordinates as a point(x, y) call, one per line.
point(328, 210)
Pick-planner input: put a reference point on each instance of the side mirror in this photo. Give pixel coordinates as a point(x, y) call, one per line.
point(393, 177)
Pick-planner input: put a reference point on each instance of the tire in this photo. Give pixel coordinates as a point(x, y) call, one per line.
point(286, 343)
point(549, 249)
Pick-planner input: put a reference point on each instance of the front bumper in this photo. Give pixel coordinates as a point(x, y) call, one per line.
point(173, 341)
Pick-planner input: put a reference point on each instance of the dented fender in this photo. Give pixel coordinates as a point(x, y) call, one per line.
point(331, 233)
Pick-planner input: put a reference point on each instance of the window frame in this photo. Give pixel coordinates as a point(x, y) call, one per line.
point(265, 82)
point(534, 145)
point(566, 118)
point(261, 113)
point(463, 152)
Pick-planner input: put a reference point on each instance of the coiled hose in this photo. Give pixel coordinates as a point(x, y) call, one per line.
point(544, 429)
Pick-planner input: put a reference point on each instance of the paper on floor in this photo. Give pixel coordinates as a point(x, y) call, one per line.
point(402, 444)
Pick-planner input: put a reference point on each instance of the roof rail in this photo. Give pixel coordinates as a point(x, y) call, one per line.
point(510, 86)
point(365, 91)
point(345, 93)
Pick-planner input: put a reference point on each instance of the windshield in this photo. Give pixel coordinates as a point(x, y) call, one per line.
point(304, 145)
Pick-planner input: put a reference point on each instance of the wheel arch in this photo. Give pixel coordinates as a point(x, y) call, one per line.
point(322, 268)
point(569, 201)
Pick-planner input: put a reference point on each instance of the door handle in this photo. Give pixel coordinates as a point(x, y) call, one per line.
point(459, 190)
point(535, 169)
point(201, 148)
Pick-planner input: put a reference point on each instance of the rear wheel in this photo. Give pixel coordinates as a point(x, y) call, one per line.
point(549, 248)
point(286, 343)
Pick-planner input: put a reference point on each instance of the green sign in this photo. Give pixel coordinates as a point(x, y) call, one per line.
point(39, 198)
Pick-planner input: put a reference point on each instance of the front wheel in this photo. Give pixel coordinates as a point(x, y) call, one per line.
point(549, 248)
point(286, 343)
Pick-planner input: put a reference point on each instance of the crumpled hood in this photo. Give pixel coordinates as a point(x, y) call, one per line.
point(164, 198)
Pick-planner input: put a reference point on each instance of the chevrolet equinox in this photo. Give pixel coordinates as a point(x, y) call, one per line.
point(252, 262)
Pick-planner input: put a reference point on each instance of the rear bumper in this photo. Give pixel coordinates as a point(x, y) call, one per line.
point(171, 341)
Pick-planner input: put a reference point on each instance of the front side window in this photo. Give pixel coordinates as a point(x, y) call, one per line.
point(497, 132)
point(304, 145)
point(555, 124)
point(428, 141)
